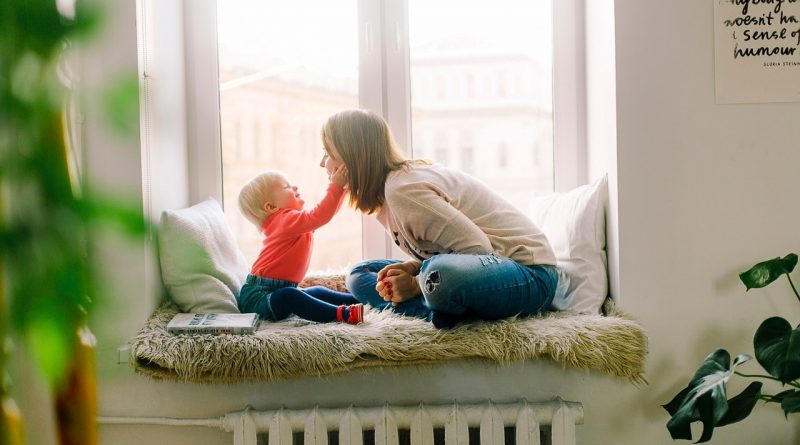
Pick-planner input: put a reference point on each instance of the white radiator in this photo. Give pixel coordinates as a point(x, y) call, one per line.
point(386, 423)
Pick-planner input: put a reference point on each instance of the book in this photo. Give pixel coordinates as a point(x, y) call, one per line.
point(193, 323)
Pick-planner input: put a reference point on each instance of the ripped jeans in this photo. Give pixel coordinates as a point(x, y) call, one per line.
point(487, 287)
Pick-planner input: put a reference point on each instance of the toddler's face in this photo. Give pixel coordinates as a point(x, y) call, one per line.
point(284, 195)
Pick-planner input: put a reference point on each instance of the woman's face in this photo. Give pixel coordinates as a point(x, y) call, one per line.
point(330, 160)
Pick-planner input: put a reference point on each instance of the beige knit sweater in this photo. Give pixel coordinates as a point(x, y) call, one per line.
point(432, 209)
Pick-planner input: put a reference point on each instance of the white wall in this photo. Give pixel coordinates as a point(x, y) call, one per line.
point(704, 191)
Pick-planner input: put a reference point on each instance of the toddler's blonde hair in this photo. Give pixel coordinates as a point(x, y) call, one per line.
point(255, 193)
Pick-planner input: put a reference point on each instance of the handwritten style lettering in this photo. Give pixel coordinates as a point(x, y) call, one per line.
point(746, 4)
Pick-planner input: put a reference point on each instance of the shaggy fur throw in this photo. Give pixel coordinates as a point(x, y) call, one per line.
point(613, 344)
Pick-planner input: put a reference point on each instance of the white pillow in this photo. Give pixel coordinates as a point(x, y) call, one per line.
point(201, 265)
point(574, 223)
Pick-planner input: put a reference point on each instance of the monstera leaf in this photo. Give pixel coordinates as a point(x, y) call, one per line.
point(705, 398)
point(777, 348)
point(789, 400)
point(768, 271)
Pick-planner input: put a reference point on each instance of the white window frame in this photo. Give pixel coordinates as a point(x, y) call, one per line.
point(382, 24)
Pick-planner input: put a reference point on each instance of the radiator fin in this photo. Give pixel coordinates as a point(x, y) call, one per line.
point(280, 429)
point(386, 428)
point(316, 431)
point(421, 427)
point(456, 428)
point(350, 431)
point(492, 426)
point(527, 430)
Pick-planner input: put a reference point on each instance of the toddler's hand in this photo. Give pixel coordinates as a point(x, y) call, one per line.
point(340, 176)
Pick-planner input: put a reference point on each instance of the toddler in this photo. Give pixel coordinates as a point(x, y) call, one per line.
point(271, 203)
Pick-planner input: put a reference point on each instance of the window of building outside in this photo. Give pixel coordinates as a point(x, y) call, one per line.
point(480, 78)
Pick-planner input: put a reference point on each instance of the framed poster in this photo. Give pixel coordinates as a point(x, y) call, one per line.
point(757, 51)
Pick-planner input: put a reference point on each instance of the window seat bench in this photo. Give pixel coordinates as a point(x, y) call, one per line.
point(612, 344)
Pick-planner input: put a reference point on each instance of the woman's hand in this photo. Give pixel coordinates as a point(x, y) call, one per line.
point(398, 282)
point(340, 176)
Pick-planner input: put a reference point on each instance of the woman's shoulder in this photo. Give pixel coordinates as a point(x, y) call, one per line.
point(417, 171)
point(410, 174)
point(424, 178)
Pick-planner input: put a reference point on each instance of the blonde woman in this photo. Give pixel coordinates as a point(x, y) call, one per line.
point(474, 255)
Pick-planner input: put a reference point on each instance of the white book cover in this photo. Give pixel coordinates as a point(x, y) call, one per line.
point(190, 323)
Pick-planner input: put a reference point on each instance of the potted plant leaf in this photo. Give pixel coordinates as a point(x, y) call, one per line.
point(777, 350)
point(49, 282)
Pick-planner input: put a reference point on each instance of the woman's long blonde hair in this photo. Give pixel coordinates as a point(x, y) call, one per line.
point(365, 144)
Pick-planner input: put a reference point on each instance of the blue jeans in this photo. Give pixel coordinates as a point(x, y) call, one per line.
point(277, 299)
point(456, 287)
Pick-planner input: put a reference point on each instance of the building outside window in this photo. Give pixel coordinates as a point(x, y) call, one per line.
point(287, 66)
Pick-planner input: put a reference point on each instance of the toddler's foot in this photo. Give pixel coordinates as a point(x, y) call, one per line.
point(356, 315)
point(351, 314)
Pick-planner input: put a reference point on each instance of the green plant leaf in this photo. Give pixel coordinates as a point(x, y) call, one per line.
point(679, 430)
point(768, 271)
point(51, 342)
point(704, 399)
point(121, 103)
point(777, 348)
point(790, 402)
point(103, 209)
point(742, 405)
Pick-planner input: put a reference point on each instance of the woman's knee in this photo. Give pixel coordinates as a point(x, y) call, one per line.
point(356, 276)
point(365, 273)
point(437, 281)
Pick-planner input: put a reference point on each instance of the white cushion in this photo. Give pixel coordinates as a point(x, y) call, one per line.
point(201, 265)
point(574, 223)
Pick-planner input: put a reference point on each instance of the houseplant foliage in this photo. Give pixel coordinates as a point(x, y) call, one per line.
point(48, 283)
point(777, 350)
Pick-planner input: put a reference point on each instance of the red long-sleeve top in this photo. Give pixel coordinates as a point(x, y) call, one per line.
point(289, 238)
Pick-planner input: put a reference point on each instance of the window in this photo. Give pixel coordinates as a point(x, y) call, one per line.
point(434, 70)
point(458, 41)
point(276, 72)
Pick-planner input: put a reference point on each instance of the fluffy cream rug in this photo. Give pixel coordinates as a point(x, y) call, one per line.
point(613, 344)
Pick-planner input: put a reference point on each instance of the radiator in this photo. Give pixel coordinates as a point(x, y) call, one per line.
point(419, 422)
point(395, 425)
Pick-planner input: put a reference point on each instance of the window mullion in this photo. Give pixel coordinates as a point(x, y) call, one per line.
point(202, 101)
point(569, 95)
point(371, 96)
point(397, 109)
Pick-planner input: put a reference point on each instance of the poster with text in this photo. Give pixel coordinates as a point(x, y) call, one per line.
point(757, 51)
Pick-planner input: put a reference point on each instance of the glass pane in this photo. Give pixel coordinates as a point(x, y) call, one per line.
point(481, 91)
point(284, 67)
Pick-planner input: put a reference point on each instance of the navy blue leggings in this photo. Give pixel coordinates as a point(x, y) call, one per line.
point(316, 303)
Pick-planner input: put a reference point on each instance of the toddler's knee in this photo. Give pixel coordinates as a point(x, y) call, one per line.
point(280, 296)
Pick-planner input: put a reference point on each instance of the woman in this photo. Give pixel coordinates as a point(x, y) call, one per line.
point(474, 254)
